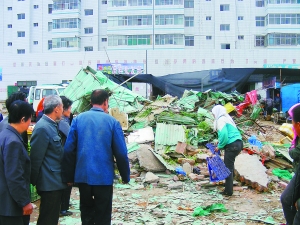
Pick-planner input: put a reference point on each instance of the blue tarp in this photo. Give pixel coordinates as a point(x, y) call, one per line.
point(290, 95)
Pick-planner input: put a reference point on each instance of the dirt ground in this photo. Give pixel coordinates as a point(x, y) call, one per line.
point(244, 207)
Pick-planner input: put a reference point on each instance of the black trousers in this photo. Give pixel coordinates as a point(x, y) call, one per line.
point(49, 207)
point(291, 215)
point(14, 220)
point(95, 204)
point(65, 199)
point(231, 151)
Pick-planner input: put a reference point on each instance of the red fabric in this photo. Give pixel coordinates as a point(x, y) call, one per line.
point(40, 107)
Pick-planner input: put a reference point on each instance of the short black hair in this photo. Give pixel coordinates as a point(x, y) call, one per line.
point(13, 97)
point(66, 102)
point(99, 96)
point(19, 109)
point(296, 113)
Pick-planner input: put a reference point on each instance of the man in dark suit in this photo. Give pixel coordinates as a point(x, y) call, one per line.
point(15, 206)
point(4, 123)
point(46, 155)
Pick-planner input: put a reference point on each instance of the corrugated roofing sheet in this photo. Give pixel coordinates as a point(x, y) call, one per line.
point(87, 80)
point(168, 134)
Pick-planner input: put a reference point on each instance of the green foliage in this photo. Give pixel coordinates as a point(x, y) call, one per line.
point(145, 113)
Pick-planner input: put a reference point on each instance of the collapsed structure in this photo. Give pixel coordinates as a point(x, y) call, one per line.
point(170, 132)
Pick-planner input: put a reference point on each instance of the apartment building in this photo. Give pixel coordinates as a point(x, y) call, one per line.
point(168, 36)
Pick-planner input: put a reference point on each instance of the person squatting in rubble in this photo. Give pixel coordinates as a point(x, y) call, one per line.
point(229, 139)
point(94, 140)
point(290, 198)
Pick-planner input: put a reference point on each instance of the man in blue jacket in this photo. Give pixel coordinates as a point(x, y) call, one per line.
point(94, 140)
point(46, 156)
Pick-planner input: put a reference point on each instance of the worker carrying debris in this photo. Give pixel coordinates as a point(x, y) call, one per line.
point(230, 140)
point(290, 198)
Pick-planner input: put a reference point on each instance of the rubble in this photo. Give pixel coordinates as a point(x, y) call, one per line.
point(148, 161)
point(249, 170)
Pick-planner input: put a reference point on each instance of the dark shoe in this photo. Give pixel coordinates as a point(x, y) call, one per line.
point(225, 193)
point(65, 213)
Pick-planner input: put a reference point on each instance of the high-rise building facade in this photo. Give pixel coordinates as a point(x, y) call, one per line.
point(33, 26)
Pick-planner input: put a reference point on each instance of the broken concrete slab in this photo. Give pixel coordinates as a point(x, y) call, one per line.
point(187, 168)
point(151, 178)
point(120, 116)
point(175, 185)
point(148, 161)
point(268, 150)
point(201, 158)
point(250, 170)
point(141, 136)
point(181, 147)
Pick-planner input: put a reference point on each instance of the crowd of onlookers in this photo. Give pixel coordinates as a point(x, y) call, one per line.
point(63, 152)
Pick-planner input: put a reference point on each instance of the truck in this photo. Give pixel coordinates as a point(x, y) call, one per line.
point(36, 93)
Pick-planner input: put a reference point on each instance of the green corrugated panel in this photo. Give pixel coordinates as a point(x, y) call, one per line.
point(188, 102)
point(87, 80)
point(168, 134)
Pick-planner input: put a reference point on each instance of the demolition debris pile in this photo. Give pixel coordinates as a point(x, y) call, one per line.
point(170, 134)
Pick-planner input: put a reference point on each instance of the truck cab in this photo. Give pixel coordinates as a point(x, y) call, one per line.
point(36, 93)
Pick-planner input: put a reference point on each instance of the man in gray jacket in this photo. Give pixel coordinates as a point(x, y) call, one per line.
point(46, 155)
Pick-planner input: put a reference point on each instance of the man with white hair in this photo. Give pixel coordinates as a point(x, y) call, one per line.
point(46, 155)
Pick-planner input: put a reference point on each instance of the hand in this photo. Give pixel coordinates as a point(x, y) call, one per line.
point(296, 205)
point(216, 149)
point(69, 184)
point(27, 209)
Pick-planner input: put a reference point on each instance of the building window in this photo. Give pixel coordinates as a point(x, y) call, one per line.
point(104, 2)
point(260, 21)
point(189, 40)
point(189, 21)
point(169, 39)
point(35, 24)
point(168, 2)
point(21, 16)
point(50, 7)
point(117, 3)
point(21, 51)
point(50, 26)
point(137, 20)
point(224, 27)
point(208, 0)
point(21, 0)
point(35, 42)
point(104, 39)
point(282, 39)
point(70, 42)
point(167, 19)
point(9, 43)
point(9, 8)
point(208, 18)
point(283, 18)
point(208, 37)
point(88, 12)
point(129, 40)
point(104, 21)
point(240, 37)
point(225, 46)
point(66, 23)
point(240, 18)
point(9, 25)
point(49, 44)
point(88, 30)
point(224, 7)
point(259, 40)
point(21, 33)
point(188, 3)
point(259, 3)
point(88, 48)
point(240, 0)
point(35, 6)
point(139, 2)
point(66, 4)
